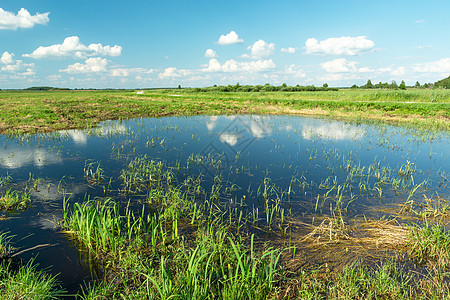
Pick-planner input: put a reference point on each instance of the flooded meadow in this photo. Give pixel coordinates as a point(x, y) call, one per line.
point(284, 194)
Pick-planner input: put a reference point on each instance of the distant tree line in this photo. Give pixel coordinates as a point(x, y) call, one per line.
point(263, 88)
point(444, 83)
point(45, 88)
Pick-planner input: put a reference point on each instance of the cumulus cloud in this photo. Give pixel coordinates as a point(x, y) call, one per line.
point(235, 66)
point(174, 73)
point(72, 47)
point(253, 66)
point(15, 66)
point(91, 65)
point(339, 46)
point(119, 72)
point(289, 50)
point(7, 58)
point(339, 65)
point(261, 49)
point(210, 53)
point(293, 70)
point(23, 19)
point(229, 39)
point(440, 66)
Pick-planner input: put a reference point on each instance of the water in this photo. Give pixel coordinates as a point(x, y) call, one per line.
point(310, 162)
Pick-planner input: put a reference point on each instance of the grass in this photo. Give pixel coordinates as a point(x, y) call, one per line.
point(14, 200)
point(175, 247)
point(24, 281)
point(430, 244)
point(43, 111)
point(27, 283)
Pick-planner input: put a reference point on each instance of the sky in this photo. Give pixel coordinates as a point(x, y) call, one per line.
point(149, 44)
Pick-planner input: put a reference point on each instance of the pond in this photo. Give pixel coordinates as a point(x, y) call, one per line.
point(276, 168)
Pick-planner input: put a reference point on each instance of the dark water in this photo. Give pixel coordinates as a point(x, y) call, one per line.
point(304, 157)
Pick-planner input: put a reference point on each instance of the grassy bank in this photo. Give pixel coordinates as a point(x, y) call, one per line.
point(43, 111)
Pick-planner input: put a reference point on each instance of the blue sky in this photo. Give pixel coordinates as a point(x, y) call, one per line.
point(133, 44)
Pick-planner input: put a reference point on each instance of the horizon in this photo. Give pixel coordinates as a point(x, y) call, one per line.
point(89, 45)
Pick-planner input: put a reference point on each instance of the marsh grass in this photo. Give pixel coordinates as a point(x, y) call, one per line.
point(386, 280)
point(27, 283)
point(14, 200)
point(5, 246)
point(430, 244)
point(19, 281)
point(177, 247)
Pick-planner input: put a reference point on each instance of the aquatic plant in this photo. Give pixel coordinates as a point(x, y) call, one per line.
point(14, 200)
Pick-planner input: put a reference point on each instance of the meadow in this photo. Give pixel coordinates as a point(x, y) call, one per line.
point(45, 111)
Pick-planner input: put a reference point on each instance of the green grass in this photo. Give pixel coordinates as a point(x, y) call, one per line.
point(18, 281)
point(27, 283)
point(430, 244)
point(14, 200)
point(42, 111)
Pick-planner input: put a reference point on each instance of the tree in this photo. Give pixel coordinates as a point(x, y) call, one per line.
point(394, 85)
point(325, 85)
point(417, 85)
point(369, 84)
point(443, 83)
point(402, 85)
point(354, 86)
point(179, 86)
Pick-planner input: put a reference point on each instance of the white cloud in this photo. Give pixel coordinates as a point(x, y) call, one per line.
point(16, 66)
point(339, 46)
point(235, 66)
point(400, 71)
point(23, 19)
point(174, 73)
point(214, 65)
point(339, 65)
point(210, 53)
point(340, 77)
point(365, 70)
point(440, 66)
point(229, 39)
point(91, 65)
point(119, 72)
point(72, 47)
point(261, 49)
point(289, 50)
point(7, 58)
point(295, 71)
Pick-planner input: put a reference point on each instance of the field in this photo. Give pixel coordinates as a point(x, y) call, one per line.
point(36, 111)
